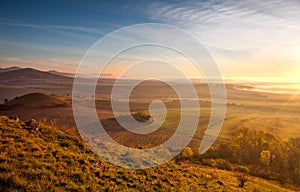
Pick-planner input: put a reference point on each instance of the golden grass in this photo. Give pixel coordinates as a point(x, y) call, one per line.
point(55, 160)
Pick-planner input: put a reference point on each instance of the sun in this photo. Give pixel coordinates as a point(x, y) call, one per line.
point(297, 75)
point(294, 57)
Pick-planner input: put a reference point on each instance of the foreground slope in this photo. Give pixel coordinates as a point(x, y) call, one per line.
point(55, 159)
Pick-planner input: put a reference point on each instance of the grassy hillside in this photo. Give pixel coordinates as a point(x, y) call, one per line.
point(55, 159)
point(35, 101)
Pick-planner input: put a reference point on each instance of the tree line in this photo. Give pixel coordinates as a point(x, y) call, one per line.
point(260, 152)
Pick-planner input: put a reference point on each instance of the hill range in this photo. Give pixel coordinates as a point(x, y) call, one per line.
point(45, 96)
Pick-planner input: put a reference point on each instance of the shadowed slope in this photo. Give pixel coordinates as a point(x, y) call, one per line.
point(35, 101)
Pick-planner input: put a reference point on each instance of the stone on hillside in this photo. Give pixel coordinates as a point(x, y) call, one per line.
point(14, 117)
point(32, 125)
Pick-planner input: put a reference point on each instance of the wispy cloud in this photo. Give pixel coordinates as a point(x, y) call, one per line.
point(234, 25)
point(57, 27)
point(251, 32)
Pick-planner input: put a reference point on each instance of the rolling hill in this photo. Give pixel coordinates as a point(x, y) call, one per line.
point(40, 106)
point(16, 81)
point(24, 74)
point(56, 159)
point(61, 73)
point(14, 68)
point(35, 101)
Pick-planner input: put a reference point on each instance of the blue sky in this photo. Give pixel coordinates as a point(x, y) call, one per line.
point(50, 31)
point(246, 38)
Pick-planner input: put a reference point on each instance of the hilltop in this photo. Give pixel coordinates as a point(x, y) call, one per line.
point(29, 76)
point(35, 101)
point(13, 68)
point(29, 73)
point(56, 159)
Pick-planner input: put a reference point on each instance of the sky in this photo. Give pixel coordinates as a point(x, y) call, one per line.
point(247, 39)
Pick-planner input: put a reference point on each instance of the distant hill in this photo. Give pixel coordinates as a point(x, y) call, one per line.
point(2, 70)
point(55, 72)
point(61, 73)
point(29, 73)
point(15, 68)
point(53, 158)
point(35, 101)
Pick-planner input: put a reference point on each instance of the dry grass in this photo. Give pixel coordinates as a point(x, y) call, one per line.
point(55, 160)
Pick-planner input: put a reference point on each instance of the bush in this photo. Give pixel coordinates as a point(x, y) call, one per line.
point(187, 153)
point(209, 162)
point(223, 164)
point(141, 116)
point(241, 169)
point(217, 163)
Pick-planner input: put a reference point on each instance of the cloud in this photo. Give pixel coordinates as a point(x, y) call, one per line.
point(58, 28)
point(246, 38)
point(234, 25)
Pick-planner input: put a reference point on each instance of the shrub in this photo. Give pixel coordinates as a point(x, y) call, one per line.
point(141, 116)
point(242, 169)
point(217, 163)
point(223, 164)
point(209, 162)
point(187, 153)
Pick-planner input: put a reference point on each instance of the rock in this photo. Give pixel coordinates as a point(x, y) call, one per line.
point(32, 125)
point(220, 183)
point(14, 117)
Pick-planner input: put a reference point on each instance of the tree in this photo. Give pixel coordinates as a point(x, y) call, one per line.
point(294, 159)
point(187, 153)
point(251, 143)
point(265, 158)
